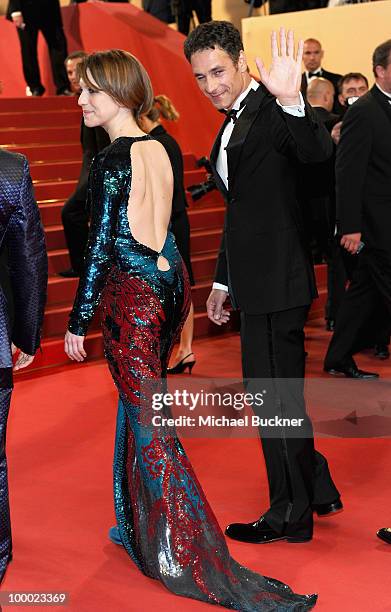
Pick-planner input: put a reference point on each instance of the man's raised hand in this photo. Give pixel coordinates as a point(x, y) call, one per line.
point(283, 80)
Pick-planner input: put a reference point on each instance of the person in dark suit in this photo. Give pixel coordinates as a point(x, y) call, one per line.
point(184, 13)
point(263, 262)
point(23, 281)
point(74, 214)
point(317, 189)
point(312, 59)
point(363, 178)
point(30, 17)
point(180, 226)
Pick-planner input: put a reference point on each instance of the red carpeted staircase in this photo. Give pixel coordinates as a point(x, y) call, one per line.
point(47, 131)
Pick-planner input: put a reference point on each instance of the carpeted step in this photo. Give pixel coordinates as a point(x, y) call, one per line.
point(61, 290)
point(38, 119)
point(34, 104)
point(30, 135)
point(37, 152)
point(55, 171)
point(54, 190)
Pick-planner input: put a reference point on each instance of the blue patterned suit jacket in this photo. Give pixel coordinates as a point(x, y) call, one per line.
point(23, 254)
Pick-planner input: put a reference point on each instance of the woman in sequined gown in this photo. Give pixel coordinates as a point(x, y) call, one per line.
point(133, 269)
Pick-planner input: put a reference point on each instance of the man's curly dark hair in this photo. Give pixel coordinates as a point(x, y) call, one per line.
point(214, 34)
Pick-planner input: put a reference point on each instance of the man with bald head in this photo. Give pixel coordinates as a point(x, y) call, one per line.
point(320, 94)
point(312, 59)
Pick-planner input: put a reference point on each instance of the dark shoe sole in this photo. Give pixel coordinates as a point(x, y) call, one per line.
point(328, 514)
point(383, 538)
point(334, 372)
point(288, 539)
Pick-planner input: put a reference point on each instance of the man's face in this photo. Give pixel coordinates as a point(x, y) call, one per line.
point(70, 67)
point(354, 88)
point(218, 77)
point(312, 56)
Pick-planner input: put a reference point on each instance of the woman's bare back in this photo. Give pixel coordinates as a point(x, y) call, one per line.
point(150, 198)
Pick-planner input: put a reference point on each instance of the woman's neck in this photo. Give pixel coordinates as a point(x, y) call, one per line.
point(123, 126)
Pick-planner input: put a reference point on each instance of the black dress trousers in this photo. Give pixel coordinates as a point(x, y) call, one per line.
point(371, 284)
point(273, 350)
point(53, 33)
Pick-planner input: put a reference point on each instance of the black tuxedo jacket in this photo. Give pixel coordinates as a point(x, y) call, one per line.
point(263, 258)
point(318, 180)
point(174, 152)
point(363, 172)
point(334, 78)
point(33, 10)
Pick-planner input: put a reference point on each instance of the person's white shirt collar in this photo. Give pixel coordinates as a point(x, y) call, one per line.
point(382, 90)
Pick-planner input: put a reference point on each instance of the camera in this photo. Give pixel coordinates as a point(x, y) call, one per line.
point(199, 190)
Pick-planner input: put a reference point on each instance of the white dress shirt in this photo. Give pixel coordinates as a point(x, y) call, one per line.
point(297, 110)
point(384, 92)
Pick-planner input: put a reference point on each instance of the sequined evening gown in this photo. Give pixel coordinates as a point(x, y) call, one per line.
point(164, 519)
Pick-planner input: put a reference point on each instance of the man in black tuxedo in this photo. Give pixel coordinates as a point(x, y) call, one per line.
point(263, 263)
point(363, 178)
point(312, 60)
point(74, 214)
point(30, 17)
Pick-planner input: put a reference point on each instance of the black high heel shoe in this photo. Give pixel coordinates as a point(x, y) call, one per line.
point(180, 367)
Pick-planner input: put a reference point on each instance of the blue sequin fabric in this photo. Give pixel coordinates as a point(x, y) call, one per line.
point(164, 520)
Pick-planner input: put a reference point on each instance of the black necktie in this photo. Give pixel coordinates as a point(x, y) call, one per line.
point(315, 74)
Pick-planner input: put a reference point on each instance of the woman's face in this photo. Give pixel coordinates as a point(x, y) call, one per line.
point(99, 109)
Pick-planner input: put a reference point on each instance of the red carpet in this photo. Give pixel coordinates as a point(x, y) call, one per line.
point(60, 453)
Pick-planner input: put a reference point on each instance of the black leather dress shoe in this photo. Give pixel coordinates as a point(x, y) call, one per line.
point(37, 91)
point(327, 509)
point(382, 351)
point(261, 533)
point(385, 534)
point(351, 372)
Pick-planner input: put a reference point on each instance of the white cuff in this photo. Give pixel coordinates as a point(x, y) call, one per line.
point(220, 286)
point(16, 14)
point(297, 110)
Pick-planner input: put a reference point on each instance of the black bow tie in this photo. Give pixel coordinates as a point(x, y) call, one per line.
point(233, 113)
point(315, 74)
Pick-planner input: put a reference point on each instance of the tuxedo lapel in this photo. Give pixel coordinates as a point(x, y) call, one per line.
point(213, 158)
point(242, 128)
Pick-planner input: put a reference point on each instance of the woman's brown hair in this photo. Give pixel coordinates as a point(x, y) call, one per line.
point(162, 107)
point(120, 75)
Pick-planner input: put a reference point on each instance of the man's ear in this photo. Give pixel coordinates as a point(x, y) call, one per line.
point(242, 62)
point(379, 70)
point(341, 100)
point(321, 55)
